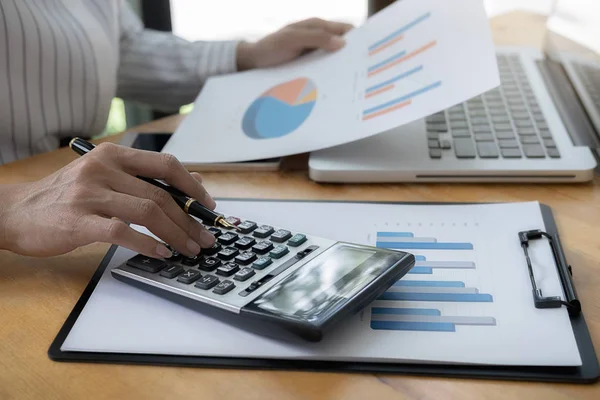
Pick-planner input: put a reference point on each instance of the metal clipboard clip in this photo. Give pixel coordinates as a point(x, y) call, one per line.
point(564, 272)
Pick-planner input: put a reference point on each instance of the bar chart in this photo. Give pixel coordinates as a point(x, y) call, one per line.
point(406, 306)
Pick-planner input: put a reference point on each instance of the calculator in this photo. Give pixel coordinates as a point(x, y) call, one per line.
point(299, 283)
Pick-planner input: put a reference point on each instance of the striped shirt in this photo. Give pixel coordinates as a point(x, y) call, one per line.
point(62, 62)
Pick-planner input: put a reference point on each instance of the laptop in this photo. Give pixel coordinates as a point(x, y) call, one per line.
point(542, 124)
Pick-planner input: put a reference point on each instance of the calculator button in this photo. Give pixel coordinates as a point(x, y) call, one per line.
point(224, 287)
point(211, 251)
point(247, 226)
point(281, 235)
point(209, 264)
point(227, 238)
point(228, 253)
point(189, 276)
point(245, 258)
point(146, 263)
point(263, 231)
point(279, 251)
point(244, 274)
point(245, 243)
point(171, 271)
point(233, 220)
point(262, 263)
point(216, 232)
point(207, 282)
point(190, 261)
point(262, 247)
point(297, 240)
point(228, 269)
point(175, 255)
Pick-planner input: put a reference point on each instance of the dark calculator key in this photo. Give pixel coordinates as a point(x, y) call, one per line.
point(245, 243)
point(297, 240)
point(263, 231)
point(262, 263)
point(209, 264)
point(228, 238)
point(171, 271)
point(189, 276)
point(245, 258)
point(281, 235)
point(228, 269)
point(279, 251)
point(247, 226)
point(207, 282)
point(228, 253)
point(233, 220)
point(175, 255)
point(211, 251)
point(215, 231)
point(262, 247)
point(190, 261)
point(146, 263)
point(244, 274)
point(224, 287)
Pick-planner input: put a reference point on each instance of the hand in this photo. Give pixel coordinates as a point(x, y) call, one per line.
point(291, 42)
point(88, 201)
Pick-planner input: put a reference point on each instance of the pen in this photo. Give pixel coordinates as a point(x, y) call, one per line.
point(188, 204)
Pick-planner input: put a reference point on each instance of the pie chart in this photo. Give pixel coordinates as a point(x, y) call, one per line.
point(280, 110)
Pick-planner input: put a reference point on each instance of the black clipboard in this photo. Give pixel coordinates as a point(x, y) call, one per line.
point(588, 372)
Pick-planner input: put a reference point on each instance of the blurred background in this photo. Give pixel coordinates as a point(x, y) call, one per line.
point(250, 20)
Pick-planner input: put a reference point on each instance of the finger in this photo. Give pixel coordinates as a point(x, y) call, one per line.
point(197, 176)
point(337, 28)
point(162, 166)
point(126, 184)
point(313, 39)
point(113, 231)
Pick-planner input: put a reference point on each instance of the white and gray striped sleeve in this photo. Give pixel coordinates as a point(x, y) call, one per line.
point(163, 70)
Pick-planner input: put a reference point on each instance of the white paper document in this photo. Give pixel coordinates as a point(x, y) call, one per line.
point(467, 300)
point(414, 58)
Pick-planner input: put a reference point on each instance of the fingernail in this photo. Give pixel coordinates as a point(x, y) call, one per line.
point(207, 238)
point(209, 201)
point(162, 251)
point(337, 42)
point(193, 247)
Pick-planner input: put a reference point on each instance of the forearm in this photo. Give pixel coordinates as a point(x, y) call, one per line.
point(7, 202)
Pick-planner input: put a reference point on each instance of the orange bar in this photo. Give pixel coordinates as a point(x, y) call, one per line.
point(387, 110)
point(406, 57)
point(385, 46)
point(383, 89)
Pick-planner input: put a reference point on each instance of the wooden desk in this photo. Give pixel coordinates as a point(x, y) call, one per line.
point(36, 295)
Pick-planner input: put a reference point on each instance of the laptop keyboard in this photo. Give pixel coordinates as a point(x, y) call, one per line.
point(590, 77)
point(505, 122)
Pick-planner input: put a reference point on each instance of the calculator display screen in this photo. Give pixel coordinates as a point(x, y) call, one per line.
point(326, 281)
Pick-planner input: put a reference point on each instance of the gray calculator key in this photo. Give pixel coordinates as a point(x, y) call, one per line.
point(244, 274)
point(207, 282)
point(482, 129)
point(147, 264)
point(281, 235)
point(511, 153)
point(534, 151)
point(459, 124)
point(189, 276)
point(464, 148)
point(503, 127)
point(461, 133)
point(171, 271)
point(553, 152)
point(435, 153)
point(505, 135)
point(487, 150)
point(297, 240)
point(445, 144)
point(484, 137)
point(433, 144)
point(508, 144)
point(549, 143)
point(530, 140)
point(224, 287)
point(279, 251)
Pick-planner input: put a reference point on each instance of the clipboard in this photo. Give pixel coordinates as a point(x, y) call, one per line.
point(588, 372)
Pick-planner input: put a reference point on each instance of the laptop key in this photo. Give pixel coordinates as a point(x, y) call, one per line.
point(542, 125)
point(482, 129)
point(524, 123)
point(487, 150)
point(433, 135)
point(435, 153)
point(477, 113)
point(461, 133)
point(464, 148)
point(503, 119)
point(553, 152)
point(534, 151)
point(437, 127)
point(445, 144)
point(436, 118)
point(503, 127)
point(433, 144)
point(479, 121)
point(549, 143)
point(505, 135)
point(530, 140)
point(526, 131)
point(497, 111)
point(520, 115)
point(459, 124)
point(511, 153)
point(484, 137)
point(508, 144)
point(545, 133)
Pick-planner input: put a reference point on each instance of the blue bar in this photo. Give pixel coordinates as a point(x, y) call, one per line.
point(398, 32)
point(452, 297)
point(420, 258)
point(425, 246)
point(387, 60)
point(406, 283)
point(421, 270)
point(395, 234)
point(394, 79)
point(413, 326)
point(403, 98)
point(406, 311)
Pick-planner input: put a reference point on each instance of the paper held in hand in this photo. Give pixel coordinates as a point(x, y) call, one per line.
point(414, 58)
